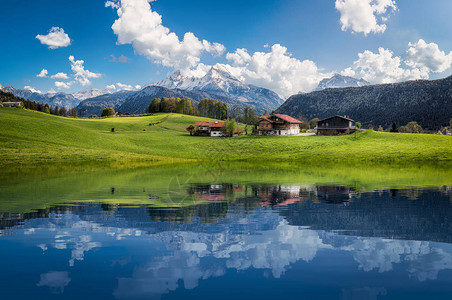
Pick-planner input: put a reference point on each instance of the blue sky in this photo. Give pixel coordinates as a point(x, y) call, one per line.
point(287, 45)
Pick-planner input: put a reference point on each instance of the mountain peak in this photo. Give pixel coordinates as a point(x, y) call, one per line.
point(91, 93)
point(340, 81)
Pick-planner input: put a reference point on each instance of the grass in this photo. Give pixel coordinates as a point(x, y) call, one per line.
point(29, 138)
point(167, 186)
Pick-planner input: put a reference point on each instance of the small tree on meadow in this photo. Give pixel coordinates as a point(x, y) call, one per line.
point(394, 128)
point(47, 109)
point(108, 112)
point(414, 127)
point(358, 126)
point(191, 129)
point(230, 127)
point(380, 128)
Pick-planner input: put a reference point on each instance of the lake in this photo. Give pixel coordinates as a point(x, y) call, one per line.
point(227, 231)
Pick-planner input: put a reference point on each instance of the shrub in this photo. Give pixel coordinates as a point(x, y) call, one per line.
point(108, 112)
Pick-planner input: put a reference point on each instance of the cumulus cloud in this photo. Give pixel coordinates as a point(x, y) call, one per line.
point(111, 87)
point(120, 59)
point(428, 56)
point(138, 25)
point(43, 73)
point(80, 74)
point(383, 67)
point(56, 38)
point(63, 85)
point(32, 89)
point(60, 75)
point(126, 87)
point(276, 70)
point(365, 16)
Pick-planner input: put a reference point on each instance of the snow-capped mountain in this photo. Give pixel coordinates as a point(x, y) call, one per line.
point(339, 81)
point(220, 82)
point(52, 99)
point(91, 93)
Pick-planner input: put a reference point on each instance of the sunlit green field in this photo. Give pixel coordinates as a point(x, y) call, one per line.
point(31, 138)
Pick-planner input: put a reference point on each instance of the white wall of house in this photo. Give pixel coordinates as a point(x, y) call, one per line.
point(216, 133)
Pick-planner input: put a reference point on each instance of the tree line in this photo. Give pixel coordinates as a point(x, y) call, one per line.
point(210, 108)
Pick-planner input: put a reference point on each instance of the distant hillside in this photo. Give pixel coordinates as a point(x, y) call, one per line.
point(8, 97)
point(94, 106)
point(427, 102)
point(139, 102)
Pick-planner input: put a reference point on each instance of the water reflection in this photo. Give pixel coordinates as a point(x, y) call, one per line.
point(279, 231)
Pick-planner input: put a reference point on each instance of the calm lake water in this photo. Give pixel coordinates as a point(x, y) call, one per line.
point(205, 234)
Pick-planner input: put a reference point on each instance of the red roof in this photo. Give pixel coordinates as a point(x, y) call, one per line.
point(238, 131)
point(286, 118)
point(210, 124)
point(266, 118)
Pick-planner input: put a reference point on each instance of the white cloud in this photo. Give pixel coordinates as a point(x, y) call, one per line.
point(126, 87)
point(80, 74)
point(32, 89)
point(383, 67)
point(137, 87)
point(276, 70)
point(63, 85)
point(56, 38)
point(120, 59)
point(361, 16)
point(60, 75)
point(138, 25)
point(111, 87)
point(51, 91)
point(113, 4)
point(428, 56)
point(43, 73)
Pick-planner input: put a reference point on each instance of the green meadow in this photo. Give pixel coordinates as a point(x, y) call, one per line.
point(29, 139)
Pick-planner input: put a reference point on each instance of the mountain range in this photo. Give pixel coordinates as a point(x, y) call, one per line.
point(220, 82)
point(339, 81)
point(428, 102)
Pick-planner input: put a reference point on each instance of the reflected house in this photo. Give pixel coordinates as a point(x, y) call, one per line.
point(334, 194)
point(337, 125)
point(280, 195)
point(277, 124)
point(214, 192)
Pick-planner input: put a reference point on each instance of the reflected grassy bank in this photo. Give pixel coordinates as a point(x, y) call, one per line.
point(168, 186)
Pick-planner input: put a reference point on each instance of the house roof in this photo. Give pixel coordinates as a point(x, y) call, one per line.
point(238, 131)
point(210, 124)
point(337, 116)
point(286, 118)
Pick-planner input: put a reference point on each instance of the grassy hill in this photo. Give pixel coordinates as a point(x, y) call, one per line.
point(31, 138)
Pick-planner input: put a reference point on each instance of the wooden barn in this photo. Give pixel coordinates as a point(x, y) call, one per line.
point(337, 125)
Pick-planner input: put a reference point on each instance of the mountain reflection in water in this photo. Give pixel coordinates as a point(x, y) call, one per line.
point(300, 238)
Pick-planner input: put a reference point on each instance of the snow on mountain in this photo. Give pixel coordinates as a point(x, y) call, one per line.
point(219, 81)
point(52, 99)
point(91, 93)
point(339, 81)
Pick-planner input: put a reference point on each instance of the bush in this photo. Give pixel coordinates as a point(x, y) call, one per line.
point(108, 112)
